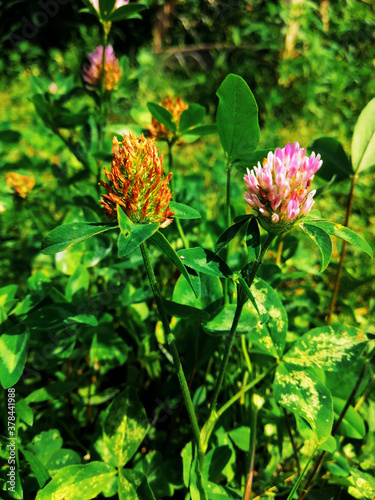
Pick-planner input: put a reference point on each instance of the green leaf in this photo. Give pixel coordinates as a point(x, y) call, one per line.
point(133, 485)
point(13, 348)
point(127, 12)
point(9, 136)
point(301, 392)
point(335, 161)
point(185, 311)
point(363, 142)
point(253, 240)
point(182, 211)
point(202, 130)
point(161, 241)
point(38, 469)
point(45, 445)
point(322, 241)
point(363, 484)
point(139, 234)
point(277, 324)
point(228, 235)
point(106, 7)
point(124, 222)
point(69, 235)
point(241, 437)
point(24, 412)
point(210, 298)
point(237, 119)
point(331, 348)
point(78, 481)
point(190, 117)
point(215, 461)
point(205, 261)
point(352, 426)
point(252, 160)
point(162, 115)
point(124, 427)
point(221, 324)
point(344, 233)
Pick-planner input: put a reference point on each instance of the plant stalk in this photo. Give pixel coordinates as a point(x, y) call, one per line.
point(172, 346)
point(343, 253)
point(240, 303)
point(229, 223)
point(253, 427)
point(178, 223)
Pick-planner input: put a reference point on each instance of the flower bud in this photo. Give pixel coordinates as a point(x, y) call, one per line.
point(20, 183)
point(136, 182)
point(92, 72)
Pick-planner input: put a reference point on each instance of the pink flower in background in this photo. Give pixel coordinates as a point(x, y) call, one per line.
point(92, 72)
point(279, 190)
point(119, 3)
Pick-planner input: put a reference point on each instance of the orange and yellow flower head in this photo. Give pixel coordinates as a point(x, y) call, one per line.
point(136, 182)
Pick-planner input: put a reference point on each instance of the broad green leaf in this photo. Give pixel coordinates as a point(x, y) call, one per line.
point(45, 445)
point(253, 240)
point(56, 316)
point(363, 142)
point(205, 261)
point(237, 119)
point(335, 161)
point(252, 160)
point(352, 425)
point(133, 485)
point(162, 115)
point(187, 458)
point(331, 348)
point(273, 333)
point(202, 130)
point(161, 241)
point(211, 296)
point(124, 427)
point(138, 235)
point(69, 235)
point(344, 233)
point(182, 211)
point(7, 293)
point(38, 469)
point(218, 492)
point(78, 282)
point(322, 241)
point(215, 461)
point(301, 392)
point(63, 458)
point(262, 313)
point(24, 412)
point(241, 437)
point(228, 235)
point(363, 485)
point(106, 7)
point(78, 481)
point(13, 348)
point(191, 117)
point(221, 324)
point(127, 12)
point(185, 311)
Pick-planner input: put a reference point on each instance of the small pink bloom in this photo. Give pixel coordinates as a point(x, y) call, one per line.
point(279, 190)
point(92, 72)
point(119, 3)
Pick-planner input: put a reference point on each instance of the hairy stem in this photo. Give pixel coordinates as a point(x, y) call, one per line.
point(185, 241)
point(229, 342)
point(172, 346)
point(253, 427)
point(343, 253)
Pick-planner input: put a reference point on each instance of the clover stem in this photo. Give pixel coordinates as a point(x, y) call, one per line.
point(178, 223)
point(173, 349)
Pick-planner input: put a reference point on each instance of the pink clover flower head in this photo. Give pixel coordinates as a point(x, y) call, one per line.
point(119, 3)
point(279, 190)
point(92, 72)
